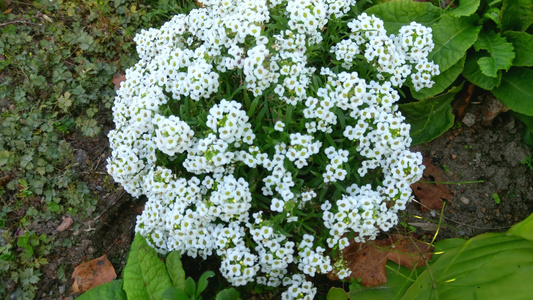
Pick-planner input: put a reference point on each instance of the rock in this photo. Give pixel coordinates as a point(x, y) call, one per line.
point(465, 200)
point(469, 119)
point(81, 157)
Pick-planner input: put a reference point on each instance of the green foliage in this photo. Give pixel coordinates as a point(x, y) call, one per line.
point(516, 91)
point(147, 277)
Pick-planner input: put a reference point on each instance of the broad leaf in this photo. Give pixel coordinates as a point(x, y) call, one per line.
point(488, 266)
point(396, 14)
point(399, 279)
point(336, 293)
point(452, 38)
point(523, 229)
point(517, 14)
point(466, 8)
point(472, 72)
point(442, 81)
point(228, 294)
point(501, 53)
point(431, 117)
point(175, 270)
point(516, 90)
point(523, 45)
point(145, 275)
point(111, 291)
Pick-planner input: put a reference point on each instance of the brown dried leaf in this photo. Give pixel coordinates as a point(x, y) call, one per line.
point(117, 79)
point(367, 262)
point(461, 102)
point(409, 252)
point(431, 195)
point(67, 222)
point(92, 274)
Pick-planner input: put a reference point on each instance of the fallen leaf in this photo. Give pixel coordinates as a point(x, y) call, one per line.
point(409, 252)
point(92, 274)
point(463, 100)
point(117, 79)
point(67, 222)
point(425, 226)
point(431, 195)
point(367, 261)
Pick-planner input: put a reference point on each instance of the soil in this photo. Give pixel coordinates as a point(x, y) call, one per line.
point(469, 152)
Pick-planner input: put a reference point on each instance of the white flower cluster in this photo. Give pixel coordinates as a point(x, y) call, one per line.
point(218, 184)
point(395, 57)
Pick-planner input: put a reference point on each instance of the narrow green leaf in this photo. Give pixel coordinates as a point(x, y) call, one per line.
point(442, 81)
point(452, 38)
point(501, 53)
point(466, 8)
point(202, 282)
point(145, 276)
point(175, 270)
point(431, 117)
point(517, 14)
point(472, 72)
point(523, 229)
point(396, 14)
point(109, 291)
point(228, 294)
point(190, 287)
point(523, 45)
point(336, 293)
point(516, 90)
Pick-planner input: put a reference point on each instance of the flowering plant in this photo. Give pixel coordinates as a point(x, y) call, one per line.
point(247, 123)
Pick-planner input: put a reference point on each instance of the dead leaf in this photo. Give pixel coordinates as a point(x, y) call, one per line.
point(425, 226)
point(367, 261)
point(409, 252)
point(67, 222)
point(5, 179)
point(431, 195)
point(92, 274)
point(461, 102)
point(117, 79)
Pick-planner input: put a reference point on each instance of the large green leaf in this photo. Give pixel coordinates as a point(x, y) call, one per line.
point(336, 293)
point(489, 266)
point(501, 53)
point(396, 14)
point(516, 90)
point(228, 294)
point(145, 275)
point(523, 229)
point(442, 81)
point(472, 72)
point(517, 14)
point(452, 38)
point(431, 117)
point(108, 291)
point(175, 270)
point(466, 8)
point(523, 45)
point(399, 279)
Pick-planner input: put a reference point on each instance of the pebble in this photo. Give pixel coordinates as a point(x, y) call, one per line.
point(469, 119)
point(480, 215)
point(465, 200)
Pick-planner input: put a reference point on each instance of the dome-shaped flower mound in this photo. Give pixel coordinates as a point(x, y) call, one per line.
point(246, 132)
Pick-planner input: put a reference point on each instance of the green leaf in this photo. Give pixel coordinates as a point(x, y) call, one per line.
point(202, 282)
point(523, 229)
point(190, 287)
point(336, 293)
point(399, 279)
point(517, 14)
point(452, 38)
point(442, 81)
point(228, 294)
point(465, 8)
point(175, 270)
point(431, 117)
point(489, 266)
point(173, 293)
point(516, 90)
point(523, 44)
point(472, 72)
point(145, 275)
point(109, 291)
point(501, 53)
point(396, 14)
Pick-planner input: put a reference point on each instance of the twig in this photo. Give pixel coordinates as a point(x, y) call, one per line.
point(110, 206)
point(19, 21)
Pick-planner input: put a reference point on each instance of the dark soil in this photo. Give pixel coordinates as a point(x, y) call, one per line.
point(471, 152)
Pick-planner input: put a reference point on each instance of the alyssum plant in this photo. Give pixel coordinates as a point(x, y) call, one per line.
point(266, 133)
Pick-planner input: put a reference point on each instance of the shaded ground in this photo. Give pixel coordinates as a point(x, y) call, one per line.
point(469, 152)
